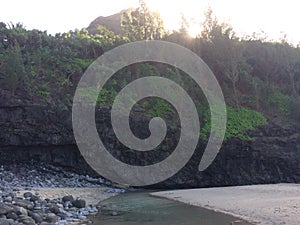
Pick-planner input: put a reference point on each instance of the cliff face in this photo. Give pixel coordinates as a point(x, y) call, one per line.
point(43, 133)
point(272, 157)
point(26, 122)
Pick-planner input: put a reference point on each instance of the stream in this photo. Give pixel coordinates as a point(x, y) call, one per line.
point(139, 208)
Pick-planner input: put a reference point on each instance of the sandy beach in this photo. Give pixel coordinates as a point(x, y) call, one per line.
point(261, 204)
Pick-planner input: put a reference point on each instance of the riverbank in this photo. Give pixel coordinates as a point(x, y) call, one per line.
point(262, 204)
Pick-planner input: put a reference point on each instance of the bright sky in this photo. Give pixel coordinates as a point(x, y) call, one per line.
point(273, 17)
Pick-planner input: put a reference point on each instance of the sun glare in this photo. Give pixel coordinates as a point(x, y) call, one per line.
point(247, 20)
point(245, 17)
point(172, 13)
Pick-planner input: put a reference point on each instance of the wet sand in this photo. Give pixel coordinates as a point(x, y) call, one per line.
point(262, 204)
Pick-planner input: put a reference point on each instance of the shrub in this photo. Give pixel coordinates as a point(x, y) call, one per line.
point(238, 122)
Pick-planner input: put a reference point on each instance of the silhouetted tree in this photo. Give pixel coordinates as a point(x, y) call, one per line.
point(142, 24)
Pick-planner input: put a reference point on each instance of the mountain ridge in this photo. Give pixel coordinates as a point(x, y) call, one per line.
point(111, 22)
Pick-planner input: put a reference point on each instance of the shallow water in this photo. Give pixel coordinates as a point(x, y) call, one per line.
point(143, 209)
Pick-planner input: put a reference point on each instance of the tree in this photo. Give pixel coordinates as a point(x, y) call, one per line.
point(209, 26)
point(142, 24)
point(184, 26)
point(231, 68)
point(289, 58)
point(223, 50)
point(212, 29)
point(12, 69)
point(108, 39)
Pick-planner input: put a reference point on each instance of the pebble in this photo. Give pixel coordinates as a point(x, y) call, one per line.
point(51, 218)
point(34, 198)
point(79, 203)
point(30, 175)
point(4, 221)
point(12, 215)
point(114, 213)
point(4, 209)
point(7, 199)
point(48, 211)
point(68, 198)
point(37, 217)
point(27, 194)
point(115, 190)
point(22, 211)
point(30, 209)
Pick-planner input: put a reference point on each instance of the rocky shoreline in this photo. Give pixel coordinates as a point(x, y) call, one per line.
point(23, 199)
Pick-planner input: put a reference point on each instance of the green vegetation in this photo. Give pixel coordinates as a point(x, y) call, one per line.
point(279, 102)
point(259, 78)
point(158, 108)
point(238, 122)
point(12, 69)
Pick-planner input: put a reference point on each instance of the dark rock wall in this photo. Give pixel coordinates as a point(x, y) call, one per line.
point(272, 157)
point(45, 134)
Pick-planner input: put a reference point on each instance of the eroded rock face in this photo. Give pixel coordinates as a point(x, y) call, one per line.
point(45, 134)
point(32, 125)
point(36, 131)
point(272, 157)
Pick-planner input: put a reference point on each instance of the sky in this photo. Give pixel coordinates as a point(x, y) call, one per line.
point(275, 17)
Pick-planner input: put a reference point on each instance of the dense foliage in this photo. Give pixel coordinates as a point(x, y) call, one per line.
point(238, 123)
point(256, 76)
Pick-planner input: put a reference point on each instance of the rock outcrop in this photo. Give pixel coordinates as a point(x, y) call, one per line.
point(273, 156)
point(44, 133)
point(112, 23)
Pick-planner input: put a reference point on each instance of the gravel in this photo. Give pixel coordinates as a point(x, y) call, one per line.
point(30, 208)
